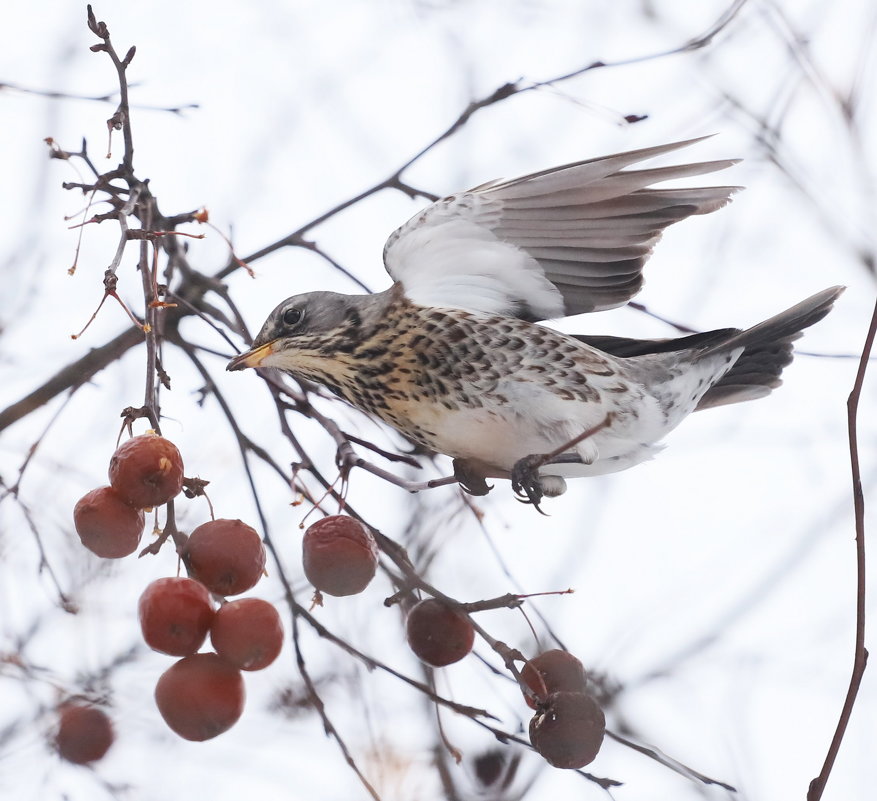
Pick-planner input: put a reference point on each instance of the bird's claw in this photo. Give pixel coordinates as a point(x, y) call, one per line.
point(526, 483)
point(469, 479)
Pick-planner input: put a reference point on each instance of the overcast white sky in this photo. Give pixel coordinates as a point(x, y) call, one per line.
point(716, 582)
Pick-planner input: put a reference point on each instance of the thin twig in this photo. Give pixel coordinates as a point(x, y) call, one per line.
point(45, 564)
point(669, 762)
point(507, 90)
point(860, 653)
point(319, 706)
point(107, 97)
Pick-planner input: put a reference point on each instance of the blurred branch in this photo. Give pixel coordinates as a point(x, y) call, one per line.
point(73, 375)
point(668, 762)
point(768, 136)
point(507, 90)
point(317, 703)
point(45, 564)
point(107, 97)
point(697, 43)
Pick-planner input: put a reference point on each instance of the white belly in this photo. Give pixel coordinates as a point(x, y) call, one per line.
point(535, 421)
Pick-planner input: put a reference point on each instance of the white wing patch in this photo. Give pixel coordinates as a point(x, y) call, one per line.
point(444, 259)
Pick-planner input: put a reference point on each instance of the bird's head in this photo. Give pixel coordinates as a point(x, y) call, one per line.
point(305, 330)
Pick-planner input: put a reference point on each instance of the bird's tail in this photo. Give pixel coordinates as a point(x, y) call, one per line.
point(767, 350)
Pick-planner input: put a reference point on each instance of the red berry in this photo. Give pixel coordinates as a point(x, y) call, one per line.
point(339, 555)
point(107, 525)
point(84, 733)
point(247, 633)
point(175, 615)
point(438, 633)
point(147, 471)
point(226, 556)
point(201, 696)
point(553, 671)
point(568, 729)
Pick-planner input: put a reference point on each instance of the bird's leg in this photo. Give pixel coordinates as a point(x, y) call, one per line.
point(471, 475)
point(530, 487)
point(526, 483)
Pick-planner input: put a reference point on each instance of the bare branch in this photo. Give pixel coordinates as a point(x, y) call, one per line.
point(860, 653)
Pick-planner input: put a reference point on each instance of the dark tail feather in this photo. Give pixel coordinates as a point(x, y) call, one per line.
point(783, 327)
point(768, 349)
point(753, 375)
point(627, 347)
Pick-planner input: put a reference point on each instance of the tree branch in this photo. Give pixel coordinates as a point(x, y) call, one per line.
point(860, 653)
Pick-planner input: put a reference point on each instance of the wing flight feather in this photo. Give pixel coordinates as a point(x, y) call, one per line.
point(561, 241)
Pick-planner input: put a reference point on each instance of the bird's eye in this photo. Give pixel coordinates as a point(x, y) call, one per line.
point(292, 316)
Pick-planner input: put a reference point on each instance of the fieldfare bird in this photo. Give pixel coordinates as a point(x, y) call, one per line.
point(452, 355)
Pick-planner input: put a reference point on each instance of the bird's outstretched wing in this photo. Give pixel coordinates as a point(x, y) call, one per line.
point(563, 241)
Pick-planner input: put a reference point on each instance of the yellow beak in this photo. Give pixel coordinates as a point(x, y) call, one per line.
point(251, 358)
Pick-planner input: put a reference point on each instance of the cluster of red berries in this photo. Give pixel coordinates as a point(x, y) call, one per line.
point(340, 557)
point(569, 726)
point(201, 695)
point(145, 471)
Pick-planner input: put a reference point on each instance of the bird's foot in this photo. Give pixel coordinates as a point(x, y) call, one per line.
point(526, 483)
point(470, 478)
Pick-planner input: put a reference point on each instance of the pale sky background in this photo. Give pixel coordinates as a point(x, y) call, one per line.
point(716, 583)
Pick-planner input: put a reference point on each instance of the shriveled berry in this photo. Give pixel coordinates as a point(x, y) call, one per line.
point(84, 734)
point(568, 729)
point(439, 634)
point(339, 555)
point(491, 765)
point(107, 525)
point(226, 556)
point(147, 470)
point(175, 615)
point(201, 696)
point(553, 671)
point(247, 633)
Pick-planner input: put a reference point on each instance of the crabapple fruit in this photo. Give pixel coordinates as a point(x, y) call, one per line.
point(175, 615)
point(226, 556)
point(568, 729)
point(247, 633)
point(201, 696)
point(84, 734)
point(339, 555)
point(553, 671)
point(147, 470)
point(438, 633)
point(106, 525)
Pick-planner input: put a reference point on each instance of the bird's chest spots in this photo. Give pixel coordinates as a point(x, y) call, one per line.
point(462, 360)
point(425, 368)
